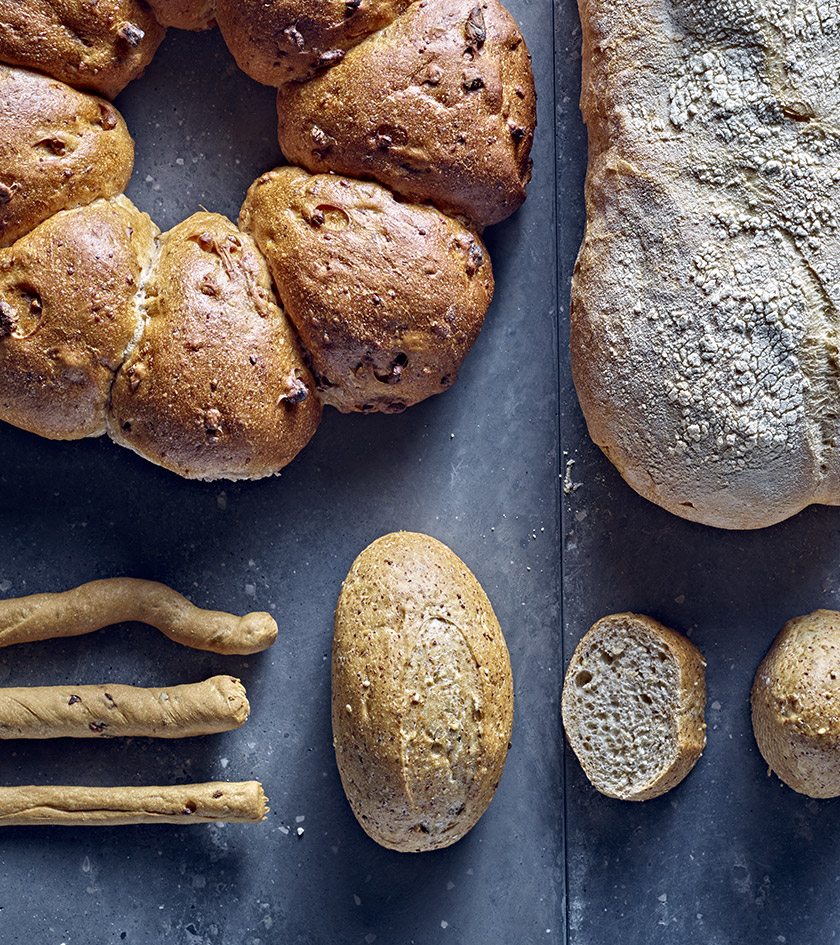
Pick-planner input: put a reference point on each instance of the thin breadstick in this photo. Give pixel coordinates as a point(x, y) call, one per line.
point(233, 802)
point(117, 600)
point(216, 705)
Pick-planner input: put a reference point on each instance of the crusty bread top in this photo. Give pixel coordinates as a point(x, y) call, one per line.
point(59, 149)
point(185, 14)
point(216, 386)
point(704, 334)
point(633, 706)
point(439, 106)
point(290, 40)
point(388, 297)
point(68, 311)
point(422, 693)
point(99, 46)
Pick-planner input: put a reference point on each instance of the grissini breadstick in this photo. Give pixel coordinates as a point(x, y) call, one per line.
point(232, 802)
point(216, 705)
point(98, 604)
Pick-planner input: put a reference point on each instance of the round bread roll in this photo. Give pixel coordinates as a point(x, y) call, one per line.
point(185, 14)
point(422, 694)
point(796, 704)
point(59, 149)
point(633, 706)
point(388, 297)
point(99, 46)
point(289, 40)
point(216, 386)
point(68, 312)
point(439, 106)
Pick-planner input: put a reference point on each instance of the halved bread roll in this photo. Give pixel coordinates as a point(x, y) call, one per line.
point(633, 706)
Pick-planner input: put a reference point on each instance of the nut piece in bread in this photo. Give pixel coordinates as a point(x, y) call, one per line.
point(422, 694)
point(185, 14)
point(68, 312)
point(391, 296)
point(439, 106)
point(796, 704)
point(216, 386)
point(633, 706)
point(98, 46)
point(290, 40)
point(59, 149)
point(704, 333)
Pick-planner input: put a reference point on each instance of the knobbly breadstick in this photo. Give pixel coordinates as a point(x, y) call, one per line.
point(216, 705)
point(233, 802)
point(116, 600)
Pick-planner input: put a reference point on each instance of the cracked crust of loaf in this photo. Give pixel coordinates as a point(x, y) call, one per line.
point(704, 339)
point(392, 296)
point(422, 694)
point(675, 665)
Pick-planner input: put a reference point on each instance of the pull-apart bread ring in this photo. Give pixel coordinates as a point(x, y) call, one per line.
point(178, 346)
point(705, 299)
point(368, 314)
point(216, 387)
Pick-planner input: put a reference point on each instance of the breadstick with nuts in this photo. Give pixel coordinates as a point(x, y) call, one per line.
point(216, 705)
point(117, 600)
point(232, 802)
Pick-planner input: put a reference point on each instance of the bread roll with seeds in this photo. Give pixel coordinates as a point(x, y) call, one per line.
point(422, 694)
point(796, 704)
point(59, 149)
point(633, 706)
point(438, 106)
point(97, 46)
point(392, 295)
point(185, 14)
point(290, 40)
point(704, 344)
point(68, 312)
point(216, 386)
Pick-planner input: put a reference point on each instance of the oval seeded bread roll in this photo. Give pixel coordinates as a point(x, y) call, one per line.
point(422, 694)
point(289, 40)
point(185, 14)
point(439, 106)
point(388, 297)
point(796, 704)
point(216, 386)
point(59, 149)
point(704, 339)
point(633, 706)
point(68, 312)
point(99, 45)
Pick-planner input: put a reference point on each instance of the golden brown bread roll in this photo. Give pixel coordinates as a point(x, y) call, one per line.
point(59, 149)
point(216, 387)
point(388, 297)
point(68, 311)
point(439, 106)
point(100, 46)
point(422, 694)
point(185, 14)
point(289, 40)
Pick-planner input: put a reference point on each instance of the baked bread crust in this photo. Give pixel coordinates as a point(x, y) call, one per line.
point(59, 149)
point(185, 14)
point(216, 386)
point(796, 704)
point(704, 335)
point(68, 312)
point(98, 46)
point(290, 40)
point(600, 647)
point(438, 106)
point(422, 694)
point(387, 297)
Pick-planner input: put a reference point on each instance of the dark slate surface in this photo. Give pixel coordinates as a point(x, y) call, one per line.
point(476, 467)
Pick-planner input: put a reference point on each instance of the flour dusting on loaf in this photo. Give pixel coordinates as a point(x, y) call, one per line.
point(704, 338)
